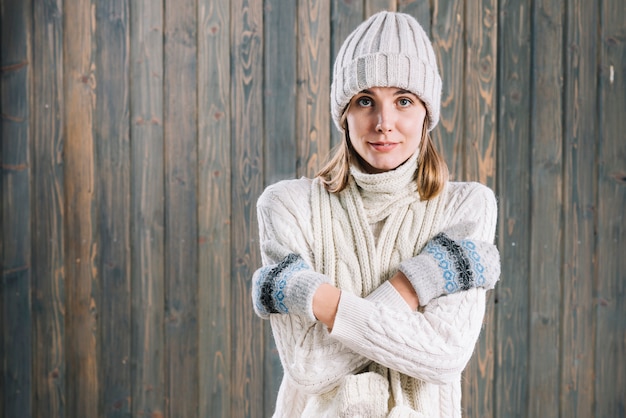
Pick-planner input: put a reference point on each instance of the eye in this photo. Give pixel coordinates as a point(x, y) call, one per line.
point(364, 101)
point(404, 102)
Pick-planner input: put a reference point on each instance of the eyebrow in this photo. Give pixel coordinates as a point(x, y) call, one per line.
point(396, 93)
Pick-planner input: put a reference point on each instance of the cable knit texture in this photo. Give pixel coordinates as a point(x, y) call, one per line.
point(409, 362)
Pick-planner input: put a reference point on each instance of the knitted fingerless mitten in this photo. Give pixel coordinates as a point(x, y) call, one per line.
point(446, 266)
point(286, 287)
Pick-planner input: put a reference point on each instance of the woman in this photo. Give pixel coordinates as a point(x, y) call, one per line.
point(375, 272)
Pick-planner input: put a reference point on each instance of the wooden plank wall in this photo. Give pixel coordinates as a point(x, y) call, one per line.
point(137, 136)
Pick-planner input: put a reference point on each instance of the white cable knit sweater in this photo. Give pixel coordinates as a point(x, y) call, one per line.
point(381, 359)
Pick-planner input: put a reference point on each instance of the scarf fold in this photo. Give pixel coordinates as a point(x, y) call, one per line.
point(346, 249)
point(383, 193)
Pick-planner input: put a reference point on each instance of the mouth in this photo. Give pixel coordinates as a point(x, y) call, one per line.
point(383, 146)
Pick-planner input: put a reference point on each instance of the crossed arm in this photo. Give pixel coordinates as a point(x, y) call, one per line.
point(314, 323)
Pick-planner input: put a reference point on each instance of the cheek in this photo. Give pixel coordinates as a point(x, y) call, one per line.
point(420, 118)
point(354, 122)
point(355, 128)
point(413, 130)
point(361, 120)
point(416, 129)
point(350, 122)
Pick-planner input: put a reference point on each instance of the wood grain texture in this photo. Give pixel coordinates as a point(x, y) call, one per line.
point(374, 6)
point(16, 318)
point(481, 26)
point(137, 137)
point(279, 99)
point(447, 39)
point(313, 93)
point(181, 216)
point(579, 198)
point(611, 240)
point(510, 391)
point(546, 210)
point(112, 150)
point(346, 15)
point(247, 180)
point(147, 215)
point(479, 153)
point(49, 272)
point(81, 245)
point(280, 142)
point(214, 209)
point(420, 10)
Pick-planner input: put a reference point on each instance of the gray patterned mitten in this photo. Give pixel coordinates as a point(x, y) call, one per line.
point(285, 288)
point(447, 266)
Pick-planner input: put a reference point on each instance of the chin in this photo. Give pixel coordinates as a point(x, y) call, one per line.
point(381, 168)
point(391, 164)
point(377, 165)
point(388, 165)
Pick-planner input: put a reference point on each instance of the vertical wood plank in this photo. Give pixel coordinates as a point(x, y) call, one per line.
point(546, 211)
point(147, 209)
point(181, 218)
point(580, 129)
point(313, 93)
point(112, 150)
point(419, 9)
point(15, 210)
point(81, 208)
point(374, 6)
point(510, 392)
point(87, 207)
point(480, 91)
point(447, 39)
point(346, 15)
point(480, 164)
point(279, 100)
point(279, 163)
point(48, 280)
point(611, 263)
point(247, 181)
point(214, 208)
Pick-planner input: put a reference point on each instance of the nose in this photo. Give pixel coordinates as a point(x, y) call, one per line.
point(385, 120)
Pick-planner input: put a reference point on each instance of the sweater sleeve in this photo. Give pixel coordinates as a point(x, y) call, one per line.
point(435, 344)
point(472, 212)
point(463, 255)
point(313, 360)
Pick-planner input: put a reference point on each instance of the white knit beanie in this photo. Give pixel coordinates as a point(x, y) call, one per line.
point(387, 50)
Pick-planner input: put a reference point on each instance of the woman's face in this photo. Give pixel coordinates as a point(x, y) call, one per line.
point(385, 127)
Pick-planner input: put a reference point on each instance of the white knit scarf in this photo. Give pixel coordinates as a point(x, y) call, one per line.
point(346, 248)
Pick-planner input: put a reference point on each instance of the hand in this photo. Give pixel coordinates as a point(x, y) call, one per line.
point(285, 287)
point(448, 265)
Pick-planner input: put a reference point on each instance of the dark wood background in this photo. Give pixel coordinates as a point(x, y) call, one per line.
point(137, 135)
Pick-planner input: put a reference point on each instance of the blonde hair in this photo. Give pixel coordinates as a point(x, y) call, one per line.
point(431, 174)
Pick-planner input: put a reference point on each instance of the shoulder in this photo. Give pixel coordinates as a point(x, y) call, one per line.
point(458, 194)
point(286, 204)
point(284, 216)
point(285, 193)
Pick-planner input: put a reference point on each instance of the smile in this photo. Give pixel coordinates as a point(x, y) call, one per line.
point(383, 146)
